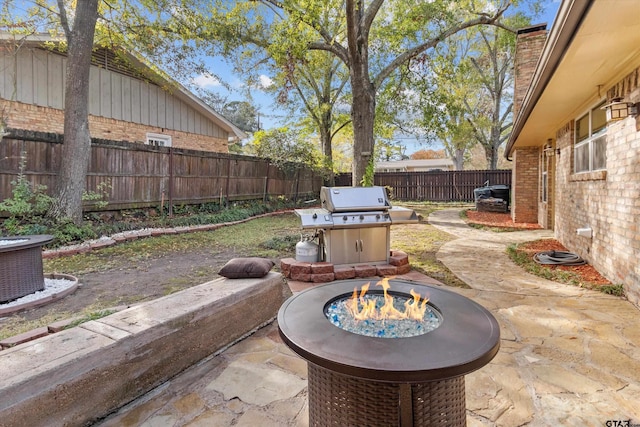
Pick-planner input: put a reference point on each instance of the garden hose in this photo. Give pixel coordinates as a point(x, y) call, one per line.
point(558, 258)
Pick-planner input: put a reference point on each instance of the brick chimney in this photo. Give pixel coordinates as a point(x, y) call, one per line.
point(529, 44)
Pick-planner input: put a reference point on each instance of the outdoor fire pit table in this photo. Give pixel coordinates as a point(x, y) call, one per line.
point(21, 265)
point(358, 380)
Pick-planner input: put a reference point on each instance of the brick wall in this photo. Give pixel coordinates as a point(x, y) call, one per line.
point(43, 119)
point(525, 191)
point(524, 185)
point(529, 46)
point(607, 201)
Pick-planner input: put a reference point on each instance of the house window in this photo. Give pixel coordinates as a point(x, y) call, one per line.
point(590, 149)
point(158, 140)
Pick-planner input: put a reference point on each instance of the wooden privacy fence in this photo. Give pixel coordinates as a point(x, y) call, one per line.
point(444, 186)
point(144, 176)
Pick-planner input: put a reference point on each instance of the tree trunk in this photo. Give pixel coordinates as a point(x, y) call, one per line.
point(491, 154)
point(327, 151)
point(363, 105)
point(363, 116)
point(458, 159)
point(76, 150)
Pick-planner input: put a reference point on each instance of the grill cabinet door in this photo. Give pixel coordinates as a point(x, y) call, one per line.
point(357, 245)
point(344, 246)
point(373, 244)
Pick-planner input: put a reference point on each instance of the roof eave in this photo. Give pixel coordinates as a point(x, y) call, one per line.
point(568, 20)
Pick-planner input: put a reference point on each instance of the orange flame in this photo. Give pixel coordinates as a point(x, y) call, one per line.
point(362, 309)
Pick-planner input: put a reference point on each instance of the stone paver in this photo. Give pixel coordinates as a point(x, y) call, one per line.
point(568, 356)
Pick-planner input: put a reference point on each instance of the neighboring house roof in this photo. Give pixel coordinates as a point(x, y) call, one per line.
point(416, 164)
point(179, 91)
point(592, 45)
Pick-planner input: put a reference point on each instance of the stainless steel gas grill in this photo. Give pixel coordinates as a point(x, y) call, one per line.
point(353, 224)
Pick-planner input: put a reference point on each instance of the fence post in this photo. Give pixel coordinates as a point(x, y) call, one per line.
point(170, 182)
point(295, 198)
point(266, 184)
point(226, 191)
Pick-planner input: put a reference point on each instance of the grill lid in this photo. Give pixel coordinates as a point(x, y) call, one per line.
point(350, 199)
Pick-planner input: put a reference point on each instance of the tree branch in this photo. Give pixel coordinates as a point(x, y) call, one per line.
point(335, 132)
point(64, 21)
point(416, 50)
point(370, 15)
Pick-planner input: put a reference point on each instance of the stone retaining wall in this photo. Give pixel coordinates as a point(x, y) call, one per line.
point(79, 375)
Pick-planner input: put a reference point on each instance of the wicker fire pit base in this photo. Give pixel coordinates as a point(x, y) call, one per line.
point(340, 400)
point(21, 266)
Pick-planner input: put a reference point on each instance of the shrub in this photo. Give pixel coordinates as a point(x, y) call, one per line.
point(27, 205)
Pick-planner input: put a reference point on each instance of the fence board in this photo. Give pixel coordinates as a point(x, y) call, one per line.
point(443, 186)
point(143, 176)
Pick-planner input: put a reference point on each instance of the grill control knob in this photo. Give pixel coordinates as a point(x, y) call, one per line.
point(361, 217)
point(378, 216)
point(344, 218)
point(315, 215)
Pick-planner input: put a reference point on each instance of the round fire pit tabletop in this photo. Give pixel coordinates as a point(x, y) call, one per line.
point(467, 338)
point(24, 242)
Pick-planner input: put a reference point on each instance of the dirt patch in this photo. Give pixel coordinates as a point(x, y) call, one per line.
point(136, 282)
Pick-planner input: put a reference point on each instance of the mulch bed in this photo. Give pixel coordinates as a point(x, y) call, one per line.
point(500, 220)
point(587, 273)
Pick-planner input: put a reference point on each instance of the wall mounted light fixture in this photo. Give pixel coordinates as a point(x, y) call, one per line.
point(548, 148)
point(618, 109)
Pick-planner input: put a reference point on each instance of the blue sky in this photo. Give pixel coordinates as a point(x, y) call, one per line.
point(271, 116)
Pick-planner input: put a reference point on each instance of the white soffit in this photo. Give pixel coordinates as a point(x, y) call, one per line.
point(604, 50)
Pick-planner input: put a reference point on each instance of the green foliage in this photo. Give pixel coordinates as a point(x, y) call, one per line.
point(243, 114)
point(100, 196)
point(27, 205)
point(368, 178)
point(387, 150)
point(285, 243)
point(66, 231)
point(464, 89)
point(381, 38)
point(285, 147)
point(617, 290)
